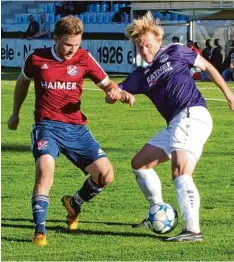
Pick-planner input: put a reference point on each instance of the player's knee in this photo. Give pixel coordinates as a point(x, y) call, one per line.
point(106, 177)
point(138, 162)
point(179, 171)
point(135, 163)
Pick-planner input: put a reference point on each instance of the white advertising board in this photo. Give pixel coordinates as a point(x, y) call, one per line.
point(112, 55)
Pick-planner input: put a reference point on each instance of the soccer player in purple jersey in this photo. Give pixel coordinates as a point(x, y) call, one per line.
point(168, 84)
point(60, 127)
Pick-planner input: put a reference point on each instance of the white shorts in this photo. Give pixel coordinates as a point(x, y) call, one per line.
point(189, 130)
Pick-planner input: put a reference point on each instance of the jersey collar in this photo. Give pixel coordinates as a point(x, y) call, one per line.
point(54, 54)
point(156, 56)
point(163, 49)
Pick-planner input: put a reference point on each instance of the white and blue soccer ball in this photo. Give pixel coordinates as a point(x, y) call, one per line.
point(162, 218)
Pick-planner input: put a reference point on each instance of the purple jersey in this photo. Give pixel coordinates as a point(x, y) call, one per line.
point(167, 81)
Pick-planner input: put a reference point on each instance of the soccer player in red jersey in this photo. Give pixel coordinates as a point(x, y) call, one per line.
point(60, 127)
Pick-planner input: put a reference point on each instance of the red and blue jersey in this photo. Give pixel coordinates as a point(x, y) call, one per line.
point(58, 83)
point(167, 81)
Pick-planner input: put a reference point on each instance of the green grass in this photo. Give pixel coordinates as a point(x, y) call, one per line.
point(105, 232)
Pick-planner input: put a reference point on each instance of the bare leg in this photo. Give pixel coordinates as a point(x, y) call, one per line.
point(43, 183)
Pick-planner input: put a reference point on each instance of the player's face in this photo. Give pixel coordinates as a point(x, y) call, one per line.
point(67, 45)
point(189, 44)
point(148, 46)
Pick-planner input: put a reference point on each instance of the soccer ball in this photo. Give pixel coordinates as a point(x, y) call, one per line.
point(162, 218)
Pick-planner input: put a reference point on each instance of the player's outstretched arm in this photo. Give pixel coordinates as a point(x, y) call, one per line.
point(215, 76)
point(126, 98)
point(111, 89)
point(21, 91)
point(114, 93)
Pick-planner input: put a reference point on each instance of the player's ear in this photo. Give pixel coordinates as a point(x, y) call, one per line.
point(55, 38)
point(159, 40)
point(160, 43)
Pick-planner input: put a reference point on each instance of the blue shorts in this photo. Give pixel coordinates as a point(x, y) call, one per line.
point(74, 141)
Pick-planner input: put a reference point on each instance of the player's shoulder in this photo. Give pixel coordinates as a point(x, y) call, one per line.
point(173, 50)
point(139, 70)
point(42, 50)
point(173, 47)
point(82, 51)
point(39, 52)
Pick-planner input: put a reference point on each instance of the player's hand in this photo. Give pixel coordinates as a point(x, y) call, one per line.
point(13, 122)
point(114, 94)
point(231, 102)
point(108, 100)
point(127, 98)
point(230, 98)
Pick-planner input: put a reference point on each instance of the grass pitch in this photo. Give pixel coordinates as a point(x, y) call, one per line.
point(105, 232)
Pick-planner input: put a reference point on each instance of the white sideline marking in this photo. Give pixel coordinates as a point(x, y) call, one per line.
point(93, 89)
point(208, 88)
point(13, 84)
point(200, 88)
point(96, 89)
point(212, 88)
point(215, 99)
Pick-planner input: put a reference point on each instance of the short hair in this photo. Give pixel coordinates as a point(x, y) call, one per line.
point(68, 25)
point(175, 39)
point(143, 25)
point(197, 45)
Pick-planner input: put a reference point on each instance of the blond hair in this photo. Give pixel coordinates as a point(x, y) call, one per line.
point(68, 25)
point(143, 25)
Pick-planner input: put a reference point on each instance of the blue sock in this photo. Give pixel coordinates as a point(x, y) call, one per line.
point(39, 210)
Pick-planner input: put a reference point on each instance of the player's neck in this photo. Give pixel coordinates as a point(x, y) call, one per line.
point(57, 53)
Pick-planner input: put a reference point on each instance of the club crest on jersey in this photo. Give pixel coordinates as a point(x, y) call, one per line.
point(72, 70)
point(42, 144)
point(163, 58)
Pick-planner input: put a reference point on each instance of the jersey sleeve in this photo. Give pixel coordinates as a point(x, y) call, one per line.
point(27, 69)
point(133, 82)
point(187, 55)
point(95, 71)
